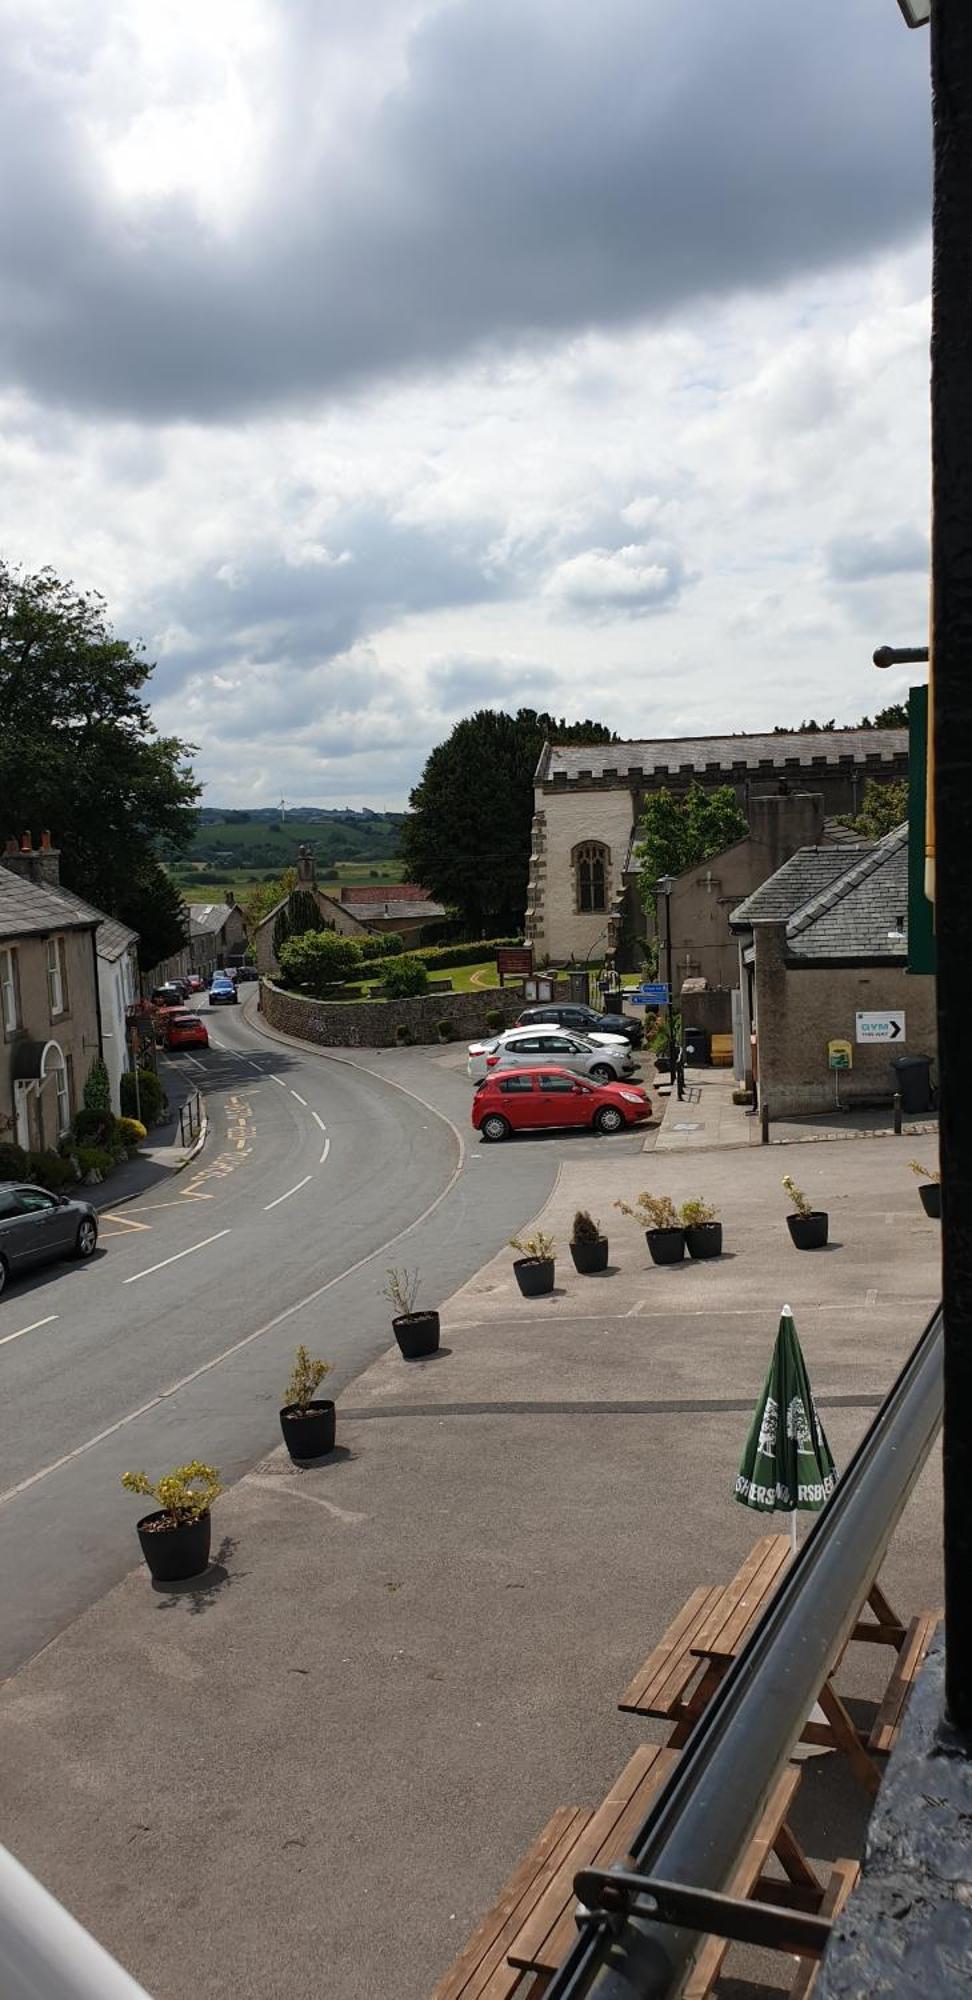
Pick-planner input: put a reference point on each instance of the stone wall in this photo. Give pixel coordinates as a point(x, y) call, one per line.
point(555, 926)
point(704, 897)
point(800, 1008)
point(371, 1024)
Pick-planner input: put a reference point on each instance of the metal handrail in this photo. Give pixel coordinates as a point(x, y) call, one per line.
point(45, 1954)
point(703, 1818)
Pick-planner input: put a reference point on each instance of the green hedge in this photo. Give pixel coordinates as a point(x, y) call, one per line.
point(437, 957)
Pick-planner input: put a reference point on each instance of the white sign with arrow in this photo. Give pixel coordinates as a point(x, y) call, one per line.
point(887, 1027)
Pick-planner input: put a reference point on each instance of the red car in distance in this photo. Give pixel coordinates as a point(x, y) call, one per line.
point(530, 1100)
point(184, 1031)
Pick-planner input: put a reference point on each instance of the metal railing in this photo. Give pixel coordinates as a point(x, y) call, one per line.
point(45, 1954)
point(701, 1822)
point(191, 1118)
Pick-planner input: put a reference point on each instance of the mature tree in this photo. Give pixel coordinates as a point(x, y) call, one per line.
point(895, 716)
point(318, 959)
point(78, 750)
point(264, 897)
point(883, 807)
point(679, 833)
point(152, 905)
point(300, 914)
point(467, 837)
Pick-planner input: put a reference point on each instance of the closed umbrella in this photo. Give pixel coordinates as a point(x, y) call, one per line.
point(787, 1464)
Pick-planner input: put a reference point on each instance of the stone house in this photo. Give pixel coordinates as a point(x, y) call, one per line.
point(704, 896)
point(824, 941)
point(335, 916)
point(582, 900)
point(50, 1018)
point(402, 907)
point(116, 950)
point(215, 930)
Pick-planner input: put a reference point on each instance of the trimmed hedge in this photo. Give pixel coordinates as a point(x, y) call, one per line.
point(438, 957)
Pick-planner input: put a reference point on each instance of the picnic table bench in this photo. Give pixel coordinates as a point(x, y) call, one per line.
point(682, 1672)
point(533, 1923)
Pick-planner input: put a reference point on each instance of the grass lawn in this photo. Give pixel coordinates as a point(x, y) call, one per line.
point(240, 880)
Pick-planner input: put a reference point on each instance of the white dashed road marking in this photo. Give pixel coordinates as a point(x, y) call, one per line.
point(32, 1328)
point(193, 1247)
point(286, 1197)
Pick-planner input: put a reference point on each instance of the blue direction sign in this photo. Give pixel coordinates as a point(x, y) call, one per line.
point(655, 995)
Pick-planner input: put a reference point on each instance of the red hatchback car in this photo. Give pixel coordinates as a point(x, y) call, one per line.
point(526, 1100)
point(185, 1031)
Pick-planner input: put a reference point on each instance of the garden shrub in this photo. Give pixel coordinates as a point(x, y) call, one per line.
point(404, 977)
point(495, 1019)
point(388, 945)
point(439, 957)
point(13, 1162)
point(129, 1131)
point(93, 1126)
point(50, 1171)
point(94, 1160)
point(403, 1032)
point(151, 1096)
point(97, 1089)
point(319, 958)
point(446, 1029)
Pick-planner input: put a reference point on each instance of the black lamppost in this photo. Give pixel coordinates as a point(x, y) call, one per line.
point(663, 887)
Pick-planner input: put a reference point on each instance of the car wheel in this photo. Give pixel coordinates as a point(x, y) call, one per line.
point(4, 1275)
point(86, 1241)
point(608, 1119)
point(602, 1073)
point(494, 1127)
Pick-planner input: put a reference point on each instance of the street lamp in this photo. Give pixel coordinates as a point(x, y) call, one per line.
point(917, 13)
point(663, 887)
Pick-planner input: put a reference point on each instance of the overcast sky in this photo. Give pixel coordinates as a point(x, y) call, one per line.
point(383, 359)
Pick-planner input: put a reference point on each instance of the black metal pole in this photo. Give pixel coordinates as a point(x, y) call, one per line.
point(672, 1058)
point(951, 676)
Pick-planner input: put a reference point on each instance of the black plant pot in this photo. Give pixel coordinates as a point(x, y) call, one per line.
point(704, 1239)
point(809, 1232)
point(590, 1257)
point(665, 1246)
point(534, 1275)
point(173, 1554)
point(308, 1432)
point(930, 1196)
point(417, 1334)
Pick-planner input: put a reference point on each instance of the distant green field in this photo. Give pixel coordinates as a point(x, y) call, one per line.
point(243, 842)
point(239, 880)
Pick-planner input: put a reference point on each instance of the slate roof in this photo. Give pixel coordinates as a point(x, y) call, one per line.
point(396, 907)
point(808, 871)
point(112, 938)
point(31, 909)
point(359, 893)
point(666, 753)
point(846, 917)
point(206, 919)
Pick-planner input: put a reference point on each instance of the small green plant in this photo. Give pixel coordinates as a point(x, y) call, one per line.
point(307, 1376)
point(130, 1131)
point(13, 1162)
point(97, 1089)
point(148, 1103)
point(403, 1290)
point(797, 1196)
point(404, 977)
point(495, 1019)
point(653, 1211)
point(94, 1163)
point(694, 1214)
point(51, 1171)
point(93, 1127)
point(403, 1033)
point(185, 1494)
point(540, 1247)
point(924, 1173)
point(585, 1229)
point(446, 1029)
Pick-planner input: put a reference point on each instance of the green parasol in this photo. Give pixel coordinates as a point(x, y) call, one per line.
point(787, 1463)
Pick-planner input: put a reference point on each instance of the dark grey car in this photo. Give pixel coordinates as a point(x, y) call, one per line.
point(36, 1227)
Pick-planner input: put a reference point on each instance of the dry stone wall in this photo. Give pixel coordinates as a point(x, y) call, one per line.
point(371, 1024)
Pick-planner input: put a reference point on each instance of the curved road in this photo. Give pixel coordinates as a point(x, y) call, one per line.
point(176, 1340)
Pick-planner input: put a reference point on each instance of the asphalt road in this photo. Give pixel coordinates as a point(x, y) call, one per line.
point(175, 1342)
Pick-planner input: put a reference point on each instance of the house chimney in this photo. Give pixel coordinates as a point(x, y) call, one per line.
point(41, 865)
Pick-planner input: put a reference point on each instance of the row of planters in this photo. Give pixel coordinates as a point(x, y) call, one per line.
point(176, 1536)
point(97, 1142)
point(672, 1233)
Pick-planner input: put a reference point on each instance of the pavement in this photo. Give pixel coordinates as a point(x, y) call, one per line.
point(317, 1766)
point(706, 1116)
point(169, 1147)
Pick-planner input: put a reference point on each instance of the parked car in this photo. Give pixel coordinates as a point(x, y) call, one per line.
point(195, 982)
point(583, 1020)
point(36, 1227)
point(222, 992)
point(529, 1100)
point(185, 1031)
point(245, 972)
point(604, 1058)
point(169, 995)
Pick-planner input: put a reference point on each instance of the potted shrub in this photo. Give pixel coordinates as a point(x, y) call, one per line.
point(809, 1226)
point(929, 1188)
point(703, 1234)
point(534, 1268)
point(175, 1539)
point(417, 1333)
point(664, 1233)
point(588, 1248)
point(307, 1425)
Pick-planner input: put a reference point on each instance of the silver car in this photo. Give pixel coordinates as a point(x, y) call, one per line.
point(36, 1227)
point(604, 1058)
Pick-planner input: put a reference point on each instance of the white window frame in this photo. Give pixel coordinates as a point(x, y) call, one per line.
point(62, 1085)
point(9, 1001)
point(55, 982)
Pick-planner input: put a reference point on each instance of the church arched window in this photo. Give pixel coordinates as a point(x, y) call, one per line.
point(591, 875)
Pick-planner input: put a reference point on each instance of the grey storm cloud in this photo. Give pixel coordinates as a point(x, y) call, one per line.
point(536, 170)
point(856, 558)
